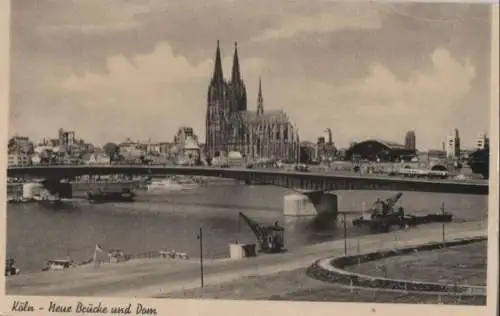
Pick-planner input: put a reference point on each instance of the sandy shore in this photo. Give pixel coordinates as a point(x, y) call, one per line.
point(155, 277)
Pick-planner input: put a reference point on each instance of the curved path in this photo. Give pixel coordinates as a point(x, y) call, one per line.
point(332, 270)
point(149, 278)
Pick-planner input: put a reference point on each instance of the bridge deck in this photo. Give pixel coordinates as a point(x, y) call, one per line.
point(294, 180)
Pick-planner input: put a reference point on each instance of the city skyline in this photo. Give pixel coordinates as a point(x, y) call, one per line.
point(139, 75)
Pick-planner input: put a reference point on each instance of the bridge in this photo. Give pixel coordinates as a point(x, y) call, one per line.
point(316, 189)
point(306, 181)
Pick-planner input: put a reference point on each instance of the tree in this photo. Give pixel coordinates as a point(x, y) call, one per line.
point(112, 150)
point(304, 155)
point(14, 147)
point(11, 145)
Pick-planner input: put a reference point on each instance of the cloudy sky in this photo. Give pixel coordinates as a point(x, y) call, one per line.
point(112, 69)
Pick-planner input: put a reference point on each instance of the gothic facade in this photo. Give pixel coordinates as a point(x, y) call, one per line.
point(230, 126)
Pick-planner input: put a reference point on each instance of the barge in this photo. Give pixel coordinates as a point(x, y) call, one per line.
point(126, 195)
point(383, 216)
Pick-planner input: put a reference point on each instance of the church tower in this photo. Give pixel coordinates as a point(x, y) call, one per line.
point(260, 100)
point(238, 89)
point(217, 109)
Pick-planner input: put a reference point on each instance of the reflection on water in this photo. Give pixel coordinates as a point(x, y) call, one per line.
point(37, 233)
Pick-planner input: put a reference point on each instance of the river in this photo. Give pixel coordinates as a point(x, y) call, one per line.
point(172, 220)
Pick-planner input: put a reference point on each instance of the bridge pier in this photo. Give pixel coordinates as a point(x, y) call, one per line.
point(311, 203)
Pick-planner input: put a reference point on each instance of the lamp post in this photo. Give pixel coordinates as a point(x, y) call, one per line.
point(345, 233)
point(442, 225)
point(298, 146)
point(200, 238)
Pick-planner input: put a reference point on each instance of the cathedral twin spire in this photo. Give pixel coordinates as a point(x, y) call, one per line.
point(218, 77)
point(235, 74)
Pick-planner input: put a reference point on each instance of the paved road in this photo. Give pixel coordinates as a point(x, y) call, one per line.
point(155, 277)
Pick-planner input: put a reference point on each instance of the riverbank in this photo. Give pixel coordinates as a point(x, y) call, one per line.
point(295, 285)
point(157, 278)
point(463, 264)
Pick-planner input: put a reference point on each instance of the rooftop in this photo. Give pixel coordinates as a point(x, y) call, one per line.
point(273, 116)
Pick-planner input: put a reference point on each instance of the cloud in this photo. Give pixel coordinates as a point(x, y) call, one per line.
point(436, 88)
point(89, 28)
point(103, 68)
point(341, 18)
point(381, 105)
point(151, 95)
point(88, 17)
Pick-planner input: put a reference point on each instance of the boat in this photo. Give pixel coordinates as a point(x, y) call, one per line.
point(50, 202)
point(10, 267)
point(12, 199)
point(46, 198)
point(383, 224)
point(58, 264)
point(383, 216)
point(174, 184)
point(125, 195)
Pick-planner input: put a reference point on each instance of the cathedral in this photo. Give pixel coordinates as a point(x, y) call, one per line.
point(231, 127)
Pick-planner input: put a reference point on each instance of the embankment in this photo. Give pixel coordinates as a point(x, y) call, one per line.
point(332, 270)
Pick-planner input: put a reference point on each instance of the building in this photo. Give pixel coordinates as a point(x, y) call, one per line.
point(131, 150)
point(184, 133)
point(66, 138)
point(436, 155)
point(308, 152)
point(36, 159)
point(20, 145)
point(186, 146)
point(379, 150)
point(156, 148)
point(325, 149)
point(88, 148)
point(231, 127)
point(19, 160)
point(320, 148)
point(153, 148)
point(483, 142)
point(96, 159)
point(411, 140)
point(453, 145)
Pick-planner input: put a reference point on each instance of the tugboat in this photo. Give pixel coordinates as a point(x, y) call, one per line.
point(269, 237)
point(383, 216)
point(126, 195)
point(10, 267)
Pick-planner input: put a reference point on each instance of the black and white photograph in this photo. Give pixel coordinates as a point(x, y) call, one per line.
point(264, 150)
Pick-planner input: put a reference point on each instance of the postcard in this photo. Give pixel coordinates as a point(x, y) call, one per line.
point(249, 157)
